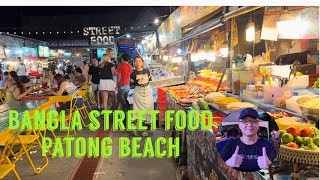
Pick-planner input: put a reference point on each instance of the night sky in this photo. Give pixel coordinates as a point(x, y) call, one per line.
point(59, 18)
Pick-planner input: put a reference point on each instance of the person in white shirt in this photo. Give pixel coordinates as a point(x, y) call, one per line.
point(20, 67)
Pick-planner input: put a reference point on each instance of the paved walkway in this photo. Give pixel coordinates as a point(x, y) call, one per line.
point(136, 169)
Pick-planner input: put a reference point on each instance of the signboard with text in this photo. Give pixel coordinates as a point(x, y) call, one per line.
point(101, 35)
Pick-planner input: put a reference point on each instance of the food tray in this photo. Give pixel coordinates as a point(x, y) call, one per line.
point(306, 157)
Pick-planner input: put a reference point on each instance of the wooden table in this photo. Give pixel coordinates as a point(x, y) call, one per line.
point(19, 106)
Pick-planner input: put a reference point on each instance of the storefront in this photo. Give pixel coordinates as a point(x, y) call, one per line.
point(253, 60)
point(33, 53)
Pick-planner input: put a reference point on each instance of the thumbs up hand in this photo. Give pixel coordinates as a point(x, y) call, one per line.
point(235, 160)
point(263, 161)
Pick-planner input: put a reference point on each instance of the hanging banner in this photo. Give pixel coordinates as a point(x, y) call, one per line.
point(311, 17)
point(269, 28)
point(170, 30)
point(234, 32)
point(190, 14)
point(221, 37)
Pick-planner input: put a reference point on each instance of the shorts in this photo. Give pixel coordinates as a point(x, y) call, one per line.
point(95, 87)
point(107, 85)
point(122, 90)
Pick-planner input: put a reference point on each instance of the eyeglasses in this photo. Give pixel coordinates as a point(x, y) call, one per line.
point(246, 122)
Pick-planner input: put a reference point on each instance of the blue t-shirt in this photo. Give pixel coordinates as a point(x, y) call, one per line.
point(250, 153)
point(220, 145)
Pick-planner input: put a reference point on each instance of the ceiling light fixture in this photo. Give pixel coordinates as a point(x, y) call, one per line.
point(156, 21)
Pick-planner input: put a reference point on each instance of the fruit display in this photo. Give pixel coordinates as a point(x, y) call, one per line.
point(223, 101)
point(304, 139)
point(238, 105)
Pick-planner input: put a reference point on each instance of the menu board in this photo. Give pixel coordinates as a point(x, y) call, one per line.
point(29, 52)
point(43, 51)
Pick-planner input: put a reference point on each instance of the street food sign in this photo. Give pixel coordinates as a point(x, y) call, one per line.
point(101, 35)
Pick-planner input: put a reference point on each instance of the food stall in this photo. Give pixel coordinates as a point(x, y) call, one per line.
point(260, 70)
point(32, 53)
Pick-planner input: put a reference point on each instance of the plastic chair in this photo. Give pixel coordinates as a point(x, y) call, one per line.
point(5, 164)
point(2, 96)
point(83, 109)
point(68, 117)
point(26, 143)
point(86, 96)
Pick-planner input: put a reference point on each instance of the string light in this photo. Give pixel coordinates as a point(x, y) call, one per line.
point(78, 31)
point(14, 32)
point(64, 32)
point(29, 32)
point(21, 32)
point(43, 33)
point(57, 32)
point(71, 32)
point(50, 32)
point(36, 32)
point(131, 27)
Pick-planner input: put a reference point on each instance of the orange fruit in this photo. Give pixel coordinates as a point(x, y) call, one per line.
point(293, 145)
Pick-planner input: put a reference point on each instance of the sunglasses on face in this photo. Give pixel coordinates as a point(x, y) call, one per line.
point(246, 122)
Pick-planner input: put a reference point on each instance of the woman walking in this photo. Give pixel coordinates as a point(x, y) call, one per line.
point(142, 97)
point(107, 84)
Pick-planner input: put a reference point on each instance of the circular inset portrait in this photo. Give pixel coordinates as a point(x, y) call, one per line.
point(250, 140)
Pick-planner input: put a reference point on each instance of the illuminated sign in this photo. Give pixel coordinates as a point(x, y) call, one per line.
point(101, 35)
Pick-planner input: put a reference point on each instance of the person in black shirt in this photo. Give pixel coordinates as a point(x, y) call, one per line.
point(249, 152)
point(232, 132)
point(94, 79)
point(142, 97)
point(107, 85)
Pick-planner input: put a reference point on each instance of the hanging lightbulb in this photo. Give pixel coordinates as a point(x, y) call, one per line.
point(250, 31)
point(156, 21)
point(179, 51)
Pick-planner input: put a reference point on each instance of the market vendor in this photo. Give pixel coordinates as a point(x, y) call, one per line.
point(142, 98)
point(249, 152)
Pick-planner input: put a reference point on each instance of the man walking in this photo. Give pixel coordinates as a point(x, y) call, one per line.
point(124, 72)
point(94, 79)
